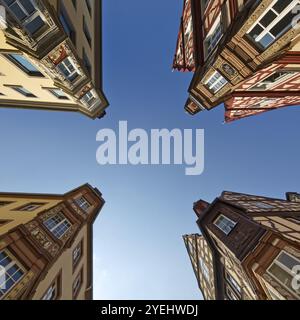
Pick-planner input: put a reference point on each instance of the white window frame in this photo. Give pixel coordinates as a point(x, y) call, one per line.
point(274, 22)
point(220, 78)
point(5, 277)
point(71, 73)
point(60, 214)
point(77, 253)
point(53, 289)
point(288, 74)
point(212, 34)
point(83, 203)
point(91, 95)
point(77, 284)
point(226, 218)
point(233, 283)
point(30, 17)
point(232, 294)
point(286, 269)
point(263, 205)
point(204, 268)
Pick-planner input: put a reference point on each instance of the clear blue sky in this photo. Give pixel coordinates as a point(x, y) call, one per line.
point(139, 252)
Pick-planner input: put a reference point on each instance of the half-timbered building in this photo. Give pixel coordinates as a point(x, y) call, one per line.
point(245, 54)
point(249, 247)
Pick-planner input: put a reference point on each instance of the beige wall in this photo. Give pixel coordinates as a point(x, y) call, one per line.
point(64, 264)
point(76, 18)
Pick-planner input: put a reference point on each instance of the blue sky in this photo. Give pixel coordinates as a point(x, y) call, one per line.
point(139, 252)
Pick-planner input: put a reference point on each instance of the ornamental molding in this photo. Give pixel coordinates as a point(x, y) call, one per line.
point(40, 236)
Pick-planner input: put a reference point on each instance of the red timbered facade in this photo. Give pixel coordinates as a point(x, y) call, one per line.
point(245, 55)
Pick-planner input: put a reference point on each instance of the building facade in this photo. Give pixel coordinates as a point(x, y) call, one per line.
point(245, 54)
point(51, 56)
point(249, 247)
point(46, 246)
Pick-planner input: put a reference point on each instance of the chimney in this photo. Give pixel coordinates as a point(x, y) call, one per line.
point(200, 206)
point(293, 196)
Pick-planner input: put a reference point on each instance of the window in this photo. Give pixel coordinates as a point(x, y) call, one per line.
point(225, 224)
point(67, 25)
point(83, 204)
point(86, 32)
point(23, 91)
point(233, 283)
point(30, 207)
point(12, 272)
point(89, 99)
point(230, 293)
point(263, 205)
point(54, 290)
point(204, 268)
point(277, 20)
point(58, 93)
point(77, 284)
point(58, 225)
point(68, 69)
point(282, 270)
point(213, 37)
point(26, 13)
point(77, 254)
point(216, 82)
point(21, 61)
point(272, 80)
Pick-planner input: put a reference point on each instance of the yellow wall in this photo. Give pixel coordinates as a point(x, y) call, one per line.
point(64, 264)
point(9, 212)
point(13, 75)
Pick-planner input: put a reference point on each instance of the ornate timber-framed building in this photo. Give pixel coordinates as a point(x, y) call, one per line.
point(46, 244)
point(245, 54)
point(50, 56)
point(249, 248)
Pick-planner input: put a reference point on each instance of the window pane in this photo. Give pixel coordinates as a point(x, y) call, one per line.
point(280, 274)
point(35, 25)
point(283, 24)
point(281, 5)
point(268, 18)
point(288, 261)
point(24, 62)
point(18, 11)
point(28, 6)
point(256, 31)
point(266, 40)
